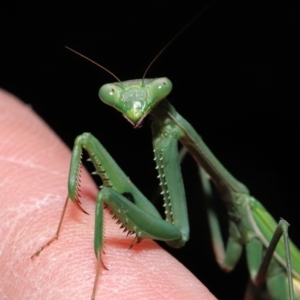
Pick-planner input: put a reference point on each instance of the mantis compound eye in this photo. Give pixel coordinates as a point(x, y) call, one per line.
point(109, 94)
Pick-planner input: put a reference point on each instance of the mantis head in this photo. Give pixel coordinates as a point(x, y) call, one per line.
point(135, 99)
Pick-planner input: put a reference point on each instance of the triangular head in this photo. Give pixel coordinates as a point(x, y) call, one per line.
point(135, 98)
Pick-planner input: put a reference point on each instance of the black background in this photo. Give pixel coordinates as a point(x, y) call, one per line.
point(235, 73)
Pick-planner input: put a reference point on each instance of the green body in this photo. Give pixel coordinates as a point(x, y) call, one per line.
point(250, 225)
point(271, 259)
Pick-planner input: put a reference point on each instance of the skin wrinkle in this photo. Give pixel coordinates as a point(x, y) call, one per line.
point(29, 164)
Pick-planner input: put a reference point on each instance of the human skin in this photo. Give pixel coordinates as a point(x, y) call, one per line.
point(34, 167)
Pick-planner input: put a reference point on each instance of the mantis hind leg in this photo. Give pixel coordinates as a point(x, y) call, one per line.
point(265, 269)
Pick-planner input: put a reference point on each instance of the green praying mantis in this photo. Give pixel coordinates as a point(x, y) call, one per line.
point(275, 261)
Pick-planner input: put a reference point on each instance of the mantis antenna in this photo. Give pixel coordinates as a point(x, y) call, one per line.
point(93, 62)
point(175, 37)
point(157, 55)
